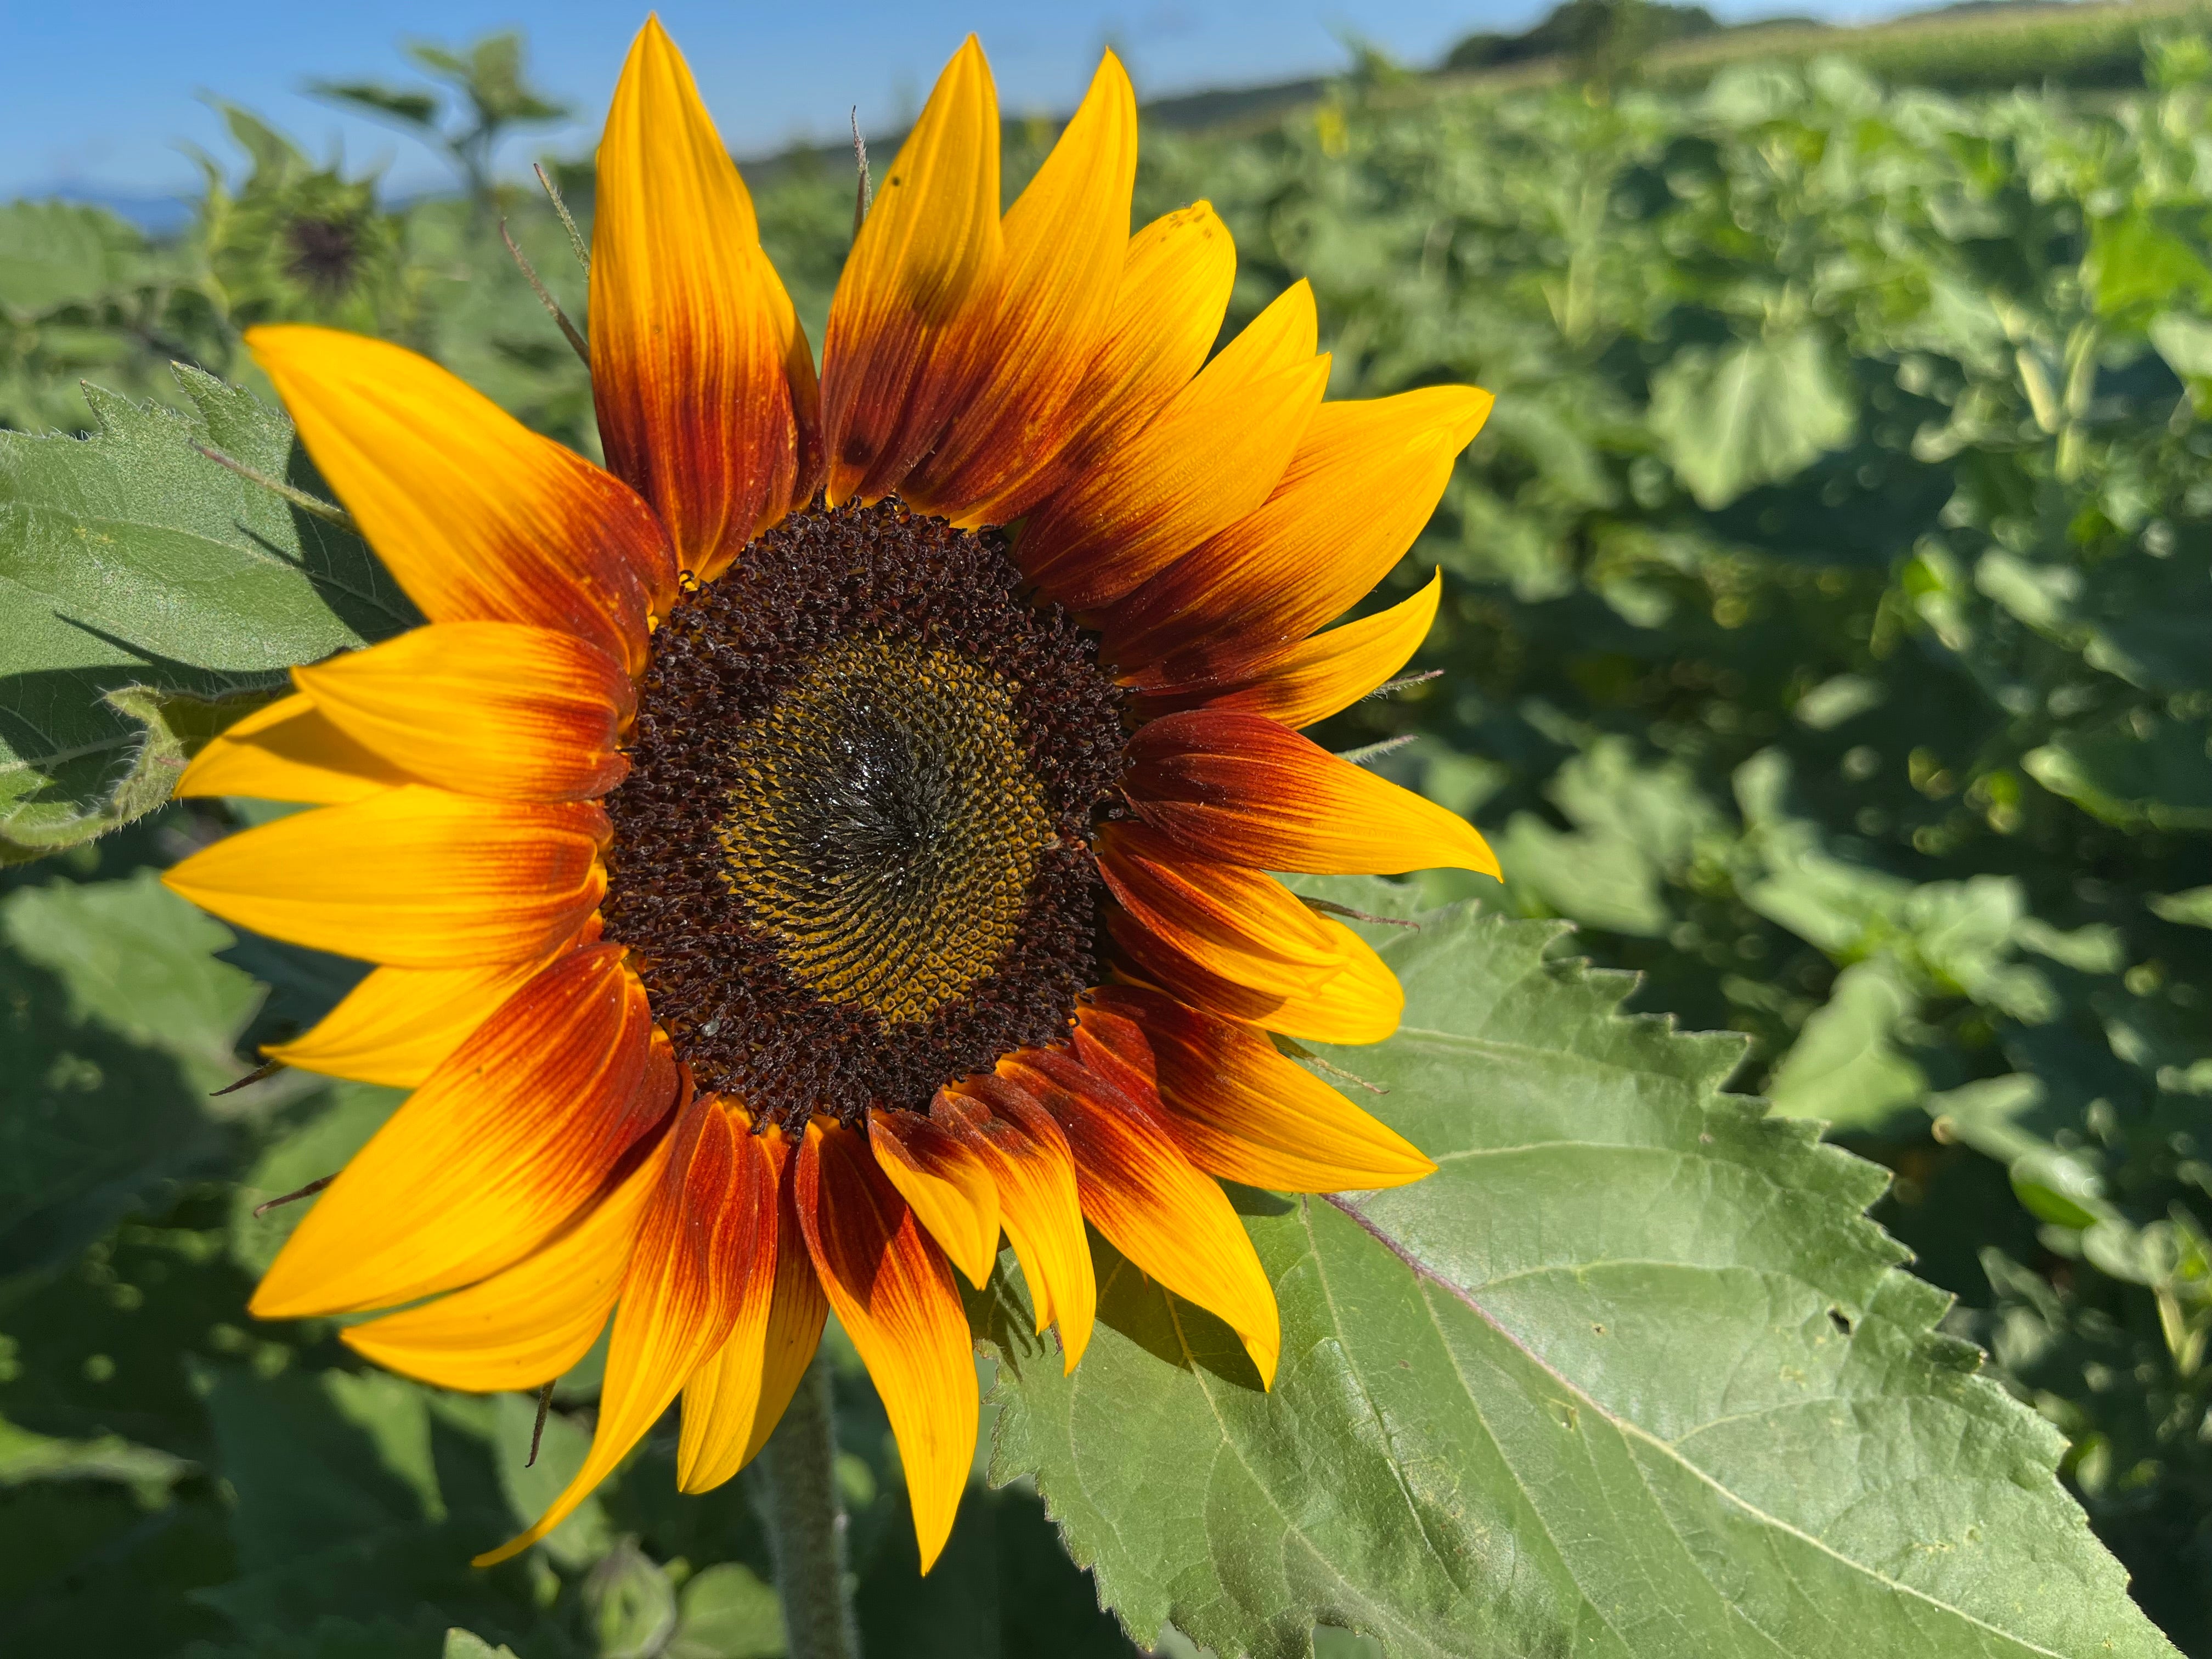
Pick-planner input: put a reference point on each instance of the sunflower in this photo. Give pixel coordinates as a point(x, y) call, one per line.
point(838, 830)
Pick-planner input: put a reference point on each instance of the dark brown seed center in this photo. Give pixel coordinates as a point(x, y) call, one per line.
point(852, 855)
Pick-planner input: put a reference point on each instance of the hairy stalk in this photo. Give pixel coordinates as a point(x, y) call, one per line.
point(795, 1490)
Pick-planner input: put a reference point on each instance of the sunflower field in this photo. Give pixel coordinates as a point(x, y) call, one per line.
point(1820, 1257)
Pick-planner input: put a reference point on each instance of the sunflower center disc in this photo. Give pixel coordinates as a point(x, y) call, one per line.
point(852, 856)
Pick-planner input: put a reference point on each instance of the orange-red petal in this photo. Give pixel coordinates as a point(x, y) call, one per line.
point(287, 751)
point(521, 1127)
point(946, 1184)
point(530, 1323)
point(1233, 940)
point(734, 1401)
point(398, 1024)
point(1035, 1174)
point(489, 708)
point(1176, 278)
point(412, 878)
point(1047, 313)
point(693, 336)
point(1365, 479)
point(1208, 460)
point(1238, 1108)
point(1140, 1190)
point(702, 1264)
point(480, 519)
point(892, 369)
point(1316, 678)
point(893, 1292)
point(1241, 789)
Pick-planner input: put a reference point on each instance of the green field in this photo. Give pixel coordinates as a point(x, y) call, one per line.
point(1828, 636)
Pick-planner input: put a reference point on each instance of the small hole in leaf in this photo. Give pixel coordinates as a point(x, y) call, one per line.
point(1840, 1319)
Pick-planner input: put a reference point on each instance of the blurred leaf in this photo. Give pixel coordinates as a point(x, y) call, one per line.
point(414, 109)
point(56, 254)
point(2140, 770)
point(630, 1604)
point(1631, 1326)
point(1843, 1068)
point(2142, 257)
point(1751, 413)
point(155, 594)
point(118, 1023)
point(728, 1612)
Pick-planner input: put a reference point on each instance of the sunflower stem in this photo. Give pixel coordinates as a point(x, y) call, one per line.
point(576, 342)
point(796, 1493)
point(568, 223)
point(864, 193)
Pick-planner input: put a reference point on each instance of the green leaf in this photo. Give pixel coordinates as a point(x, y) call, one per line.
point(1756, 412)
point(152, 596)
point(2192, 909)
point(728, 1612)
point(466, 1644)
point(57, 253)
point(1843, 1068)
point(2139, 771)
point(116, 1024)
point(2143, 259)
point(1631, 1374)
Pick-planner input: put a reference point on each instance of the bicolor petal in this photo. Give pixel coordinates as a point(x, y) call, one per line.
point(1140, 1190)
point(1177, 274)
point(411, 878)
point(1034, 1171)
point(398, 1024)
point(734, 1402)
point(528, 1323)
point(501, 709)
point(1238, 1108)
point(702, 1263)
point(948, 1187)
point(288, 751)
point(1241, 789)
point(1365, 480)
point(480, 519)
point(1303, 684)
point(1047, 312)
point(893, 1292)
point(702, 376)
point(522, 1127)
point(929, 251)
point(1210, 458)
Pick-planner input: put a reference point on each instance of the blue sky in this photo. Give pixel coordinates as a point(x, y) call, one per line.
point(102, 97)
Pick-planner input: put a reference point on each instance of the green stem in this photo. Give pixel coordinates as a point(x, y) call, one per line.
point(796, 1494)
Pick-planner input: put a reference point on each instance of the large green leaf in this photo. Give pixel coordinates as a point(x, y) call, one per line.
point(56, 253)
point(1753, 413)
point(150, 594)
point(1631, 1374)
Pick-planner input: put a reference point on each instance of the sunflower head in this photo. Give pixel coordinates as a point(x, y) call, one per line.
point(836, 836)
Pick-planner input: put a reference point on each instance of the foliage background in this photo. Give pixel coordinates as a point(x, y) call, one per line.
point(1827, 635)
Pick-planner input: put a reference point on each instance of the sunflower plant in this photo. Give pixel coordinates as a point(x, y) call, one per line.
point(866, 823)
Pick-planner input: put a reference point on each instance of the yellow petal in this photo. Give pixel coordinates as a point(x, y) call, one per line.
point(1047, 313)
point(1035, 1174)
point(1233, 940)
point(414, 877)
point(1210, 458)
point(894, 1294)
point(1365, 479)
point(1175, 279)
point(1301, 683)
point(397, 1024)
point(483, 708)
point(480, 519)
point(1238, 1108)
point(288, 752)
point(693, 336)
point(1140, 1190)
point(734, 1402)
point(516, 1134)
point(528, 1324)
point(930, 248)
point(702, 1261)
point(948, 1186)
point(1240, 789)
